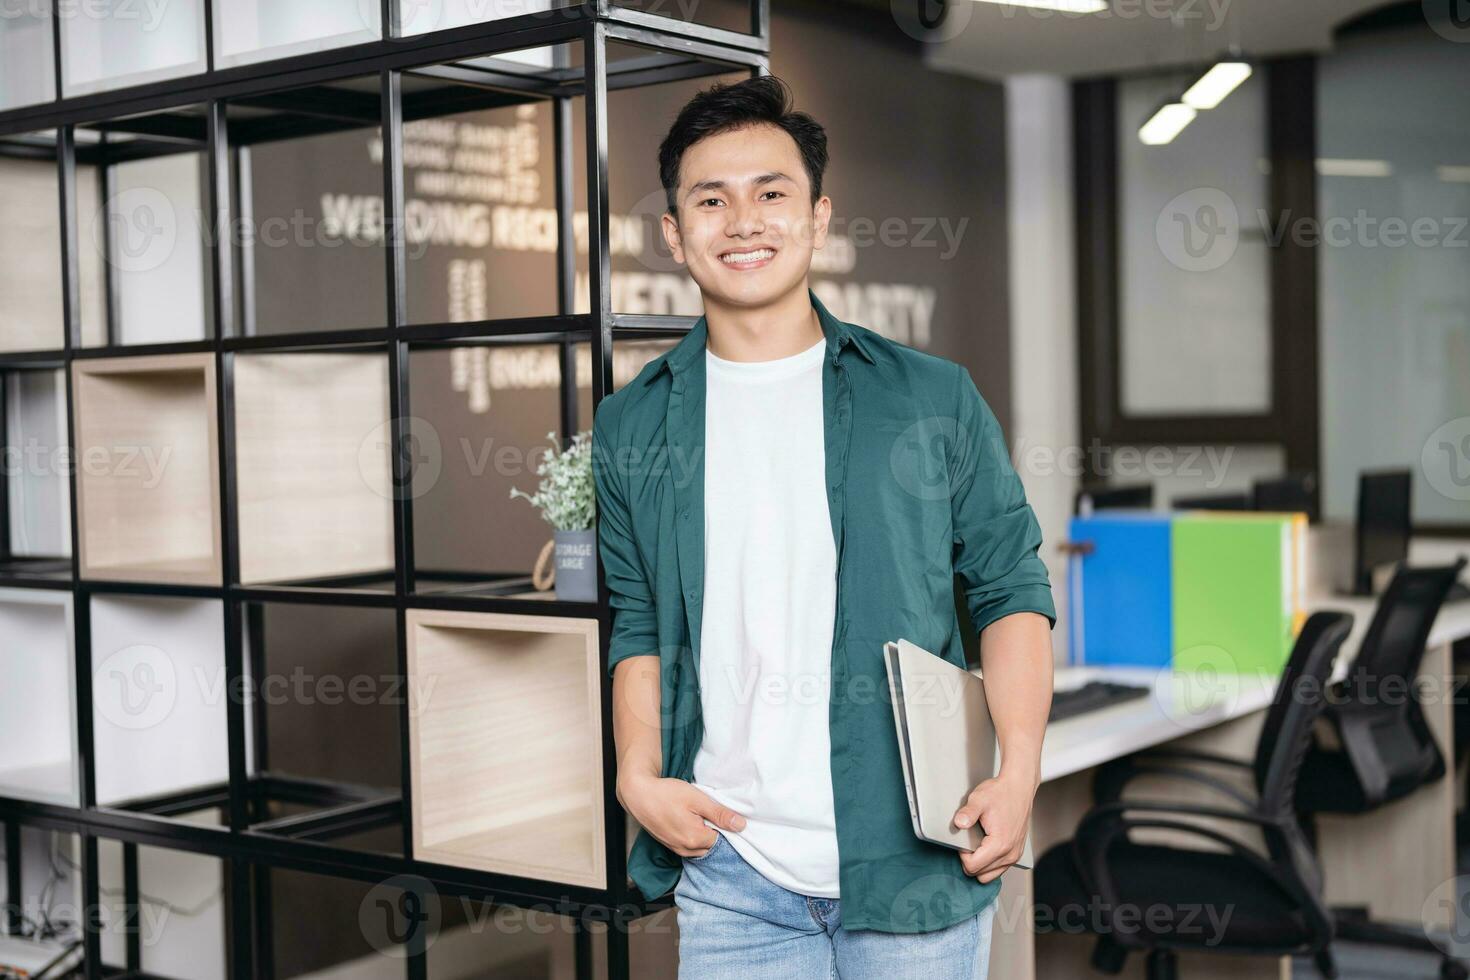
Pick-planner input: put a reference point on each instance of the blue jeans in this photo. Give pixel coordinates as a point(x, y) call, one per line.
point(735, 924)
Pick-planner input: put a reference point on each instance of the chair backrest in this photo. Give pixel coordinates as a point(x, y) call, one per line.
point(1301, 695)
point(1394, 644)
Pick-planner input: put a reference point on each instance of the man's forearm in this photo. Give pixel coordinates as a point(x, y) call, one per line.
point(636, 728)
point(1016, 659)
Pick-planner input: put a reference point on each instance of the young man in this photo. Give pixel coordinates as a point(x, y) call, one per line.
point(779, 495)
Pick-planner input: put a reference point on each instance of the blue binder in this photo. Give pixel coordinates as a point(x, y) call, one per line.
point(1120, 589)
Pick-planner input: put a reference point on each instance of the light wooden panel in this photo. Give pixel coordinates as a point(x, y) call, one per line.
point(30, 256)
point(311, 470)
point(148, 464)
point(505, 729)
point(38, 755)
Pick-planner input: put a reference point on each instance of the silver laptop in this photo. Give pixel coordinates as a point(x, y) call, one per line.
point(946, 741)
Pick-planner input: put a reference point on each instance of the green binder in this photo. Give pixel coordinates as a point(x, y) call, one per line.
point(1238, 580)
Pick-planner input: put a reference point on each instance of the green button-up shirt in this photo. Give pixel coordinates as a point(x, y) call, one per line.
point(920, 490)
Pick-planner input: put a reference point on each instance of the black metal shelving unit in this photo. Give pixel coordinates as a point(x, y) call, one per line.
point(382, 83)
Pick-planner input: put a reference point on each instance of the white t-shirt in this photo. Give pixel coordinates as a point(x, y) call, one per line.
point(770, 586)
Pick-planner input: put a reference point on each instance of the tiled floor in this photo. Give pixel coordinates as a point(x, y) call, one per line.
point(1371, 963)
point(1356, 962)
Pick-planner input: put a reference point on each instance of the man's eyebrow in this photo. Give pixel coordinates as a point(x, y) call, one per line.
point(719, 185)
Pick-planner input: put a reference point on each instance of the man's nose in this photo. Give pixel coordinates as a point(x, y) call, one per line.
point(745, 220)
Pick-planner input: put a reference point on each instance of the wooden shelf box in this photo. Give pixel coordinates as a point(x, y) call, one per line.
point(313, 468)
point(38, 750)
point(505, 734)
point(148, 468)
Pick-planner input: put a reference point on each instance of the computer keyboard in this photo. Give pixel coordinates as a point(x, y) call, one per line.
point(1092, 696)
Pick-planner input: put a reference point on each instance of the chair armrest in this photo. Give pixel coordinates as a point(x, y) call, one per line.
point(1104, 825)
point(1194, 755)
point(1352, 723)
point(1110, 811)
point(1113, 777)
point(1355, 732)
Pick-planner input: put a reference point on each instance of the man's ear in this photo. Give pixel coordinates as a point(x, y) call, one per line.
point(672, 238)
point(821, 217)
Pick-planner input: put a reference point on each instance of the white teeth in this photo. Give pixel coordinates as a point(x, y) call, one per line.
point(740, 258)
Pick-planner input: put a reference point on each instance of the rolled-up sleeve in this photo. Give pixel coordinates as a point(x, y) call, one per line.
point(635, 625)
point(996, 534)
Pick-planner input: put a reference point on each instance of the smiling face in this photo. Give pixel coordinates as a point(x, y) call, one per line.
point(746, 227)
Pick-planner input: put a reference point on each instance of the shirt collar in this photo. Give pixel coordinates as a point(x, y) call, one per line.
point(693, 343)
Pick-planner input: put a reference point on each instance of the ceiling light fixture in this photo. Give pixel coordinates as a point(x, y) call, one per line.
point(1061, 6)
point(1337, 167)
point(1165, 124)
point(1215, 84)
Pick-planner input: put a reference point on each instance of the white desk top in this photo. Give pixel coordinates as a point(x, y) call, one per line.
point(1181, 703)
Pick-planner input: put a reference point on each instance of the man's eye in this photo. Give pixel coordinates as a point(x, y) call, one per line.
point(710, 201)
point(773, 193)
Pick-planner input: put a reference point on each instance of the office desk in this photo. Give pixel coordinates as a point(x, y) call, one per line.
point(1414, 837)
point(1391, 860)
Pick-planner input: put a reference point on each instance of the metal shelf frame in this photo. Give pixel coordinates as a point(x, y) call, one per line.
point(191, 114)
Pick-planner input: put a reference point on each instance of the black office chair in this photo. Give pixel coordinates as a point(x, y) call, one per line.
point(1274, 898)
point(1381, 747)
point(1292, 492)
point(1460, 653)
point(1102, 497)
point(1221, 501)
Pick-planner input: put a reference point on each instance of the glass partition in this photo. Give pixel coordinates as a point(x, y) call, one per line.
point(1193, 304)
point(1394, 269)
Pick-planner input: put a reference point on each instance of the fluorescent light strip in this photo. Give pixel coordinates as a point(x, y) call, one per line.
point(1165, 124)
point(1063, 6)
point(1453, 174)
point(1215, 84)
point(1331, 167)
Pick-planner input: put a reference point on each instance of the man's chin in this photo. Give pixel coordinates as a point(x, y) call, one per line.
point(760, 290)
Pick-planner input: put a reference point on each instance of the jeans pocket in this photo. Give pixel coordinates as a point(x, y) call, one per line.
point(719, 842)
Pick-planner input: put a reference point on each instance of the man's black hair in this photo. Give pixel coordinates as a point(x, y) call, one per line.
point(720, 108)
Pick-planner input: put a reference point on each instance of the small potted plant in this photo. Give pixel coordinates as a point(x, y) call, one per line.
point(567, 500)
